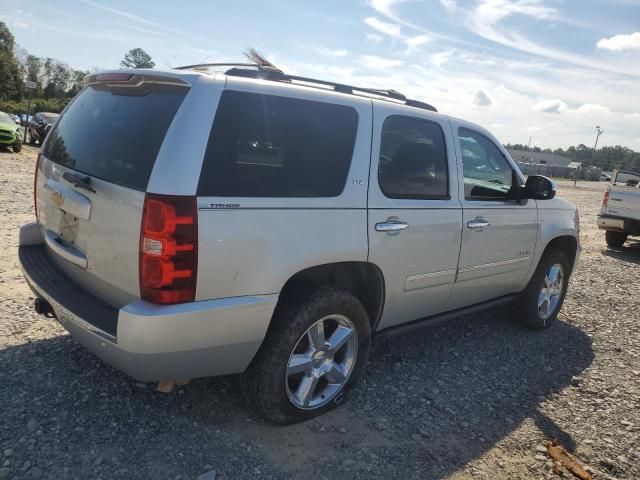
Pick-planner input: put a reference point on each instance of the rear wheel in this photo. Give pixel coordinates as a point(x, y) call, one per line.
point(539, 304)
point(312, 355)
point(615, 239)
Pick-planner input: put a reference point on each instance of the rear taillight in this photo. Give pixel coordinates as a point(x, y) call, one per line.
point(168, 249)
point(605, 199)
point(35, 185)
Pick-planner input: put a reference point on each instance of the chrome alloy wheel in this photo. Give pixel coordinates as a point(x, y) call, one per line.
point(321, 362)
point(551, 291)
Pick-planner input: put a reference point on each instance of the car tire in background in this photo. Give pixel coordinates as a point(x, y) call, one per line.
point(538, 305)
point(17, 147)
point(615, 239)
point(318, 342)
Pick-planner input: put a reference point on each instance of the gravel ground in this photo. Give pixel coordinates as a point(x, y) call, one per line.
point(472, 399)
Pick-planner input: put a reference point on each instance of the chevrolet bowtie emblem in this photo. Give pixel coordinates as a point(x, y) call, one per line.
point(57, 198)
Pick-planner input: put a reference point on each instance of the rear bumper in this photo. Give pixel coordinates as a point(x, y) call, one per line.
point(619, 224)
point(153, 342)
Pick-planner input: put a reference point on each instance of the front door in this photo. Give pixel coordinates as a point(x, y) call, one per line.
point(498, 234)
point(414, 216)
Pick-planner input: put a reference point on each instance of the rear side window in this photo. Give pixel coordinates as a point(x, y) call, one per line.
point(413, 159)
point(115, 134)
point(271, 146)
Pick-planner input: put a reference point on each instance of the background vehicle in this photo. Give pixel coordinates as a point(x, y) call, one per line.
point(40, 125)
point(271, 225)
point(10, 133)
point(620, 212)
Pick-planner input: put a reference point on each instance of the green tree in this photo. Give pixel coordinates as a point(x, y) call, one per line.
point(11, 85)
point(137, 58)
point(77, 82)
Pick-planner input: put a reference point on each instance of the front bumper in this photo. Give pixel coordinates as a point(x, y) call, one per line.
point(8, 141)
point(152, 342)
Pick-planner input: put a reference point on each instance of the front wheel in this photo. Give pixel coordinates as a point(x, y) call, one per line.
point(539, 304)
point(17, 147)
point(615, 239)
point(313, 354)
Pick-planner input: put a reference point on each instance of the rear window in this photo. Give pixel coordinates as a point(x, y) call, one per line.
point(114, 134)
point(271, 146)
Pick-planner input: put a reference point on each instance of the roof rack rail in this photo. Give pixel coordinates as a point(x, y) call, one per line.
point(338, 87)
point(224, 64)
point(253, 70)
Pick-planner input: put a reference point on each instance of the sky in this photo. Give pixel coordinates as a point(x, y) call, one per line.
point(538, 72)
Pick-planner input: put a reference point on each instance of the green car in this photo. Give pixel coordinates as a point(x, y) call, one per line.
point(10, 133)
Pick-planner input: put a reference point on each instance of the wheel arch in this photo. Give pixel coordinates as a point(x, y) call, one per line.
point(364, 280)
point(567, 244)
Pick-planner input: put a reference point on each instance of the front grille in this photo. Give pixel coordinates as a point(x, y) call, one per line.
point(7, 136)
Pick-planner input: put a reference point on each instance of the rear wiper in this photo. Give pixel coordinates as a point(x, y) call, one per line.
point(83, 182)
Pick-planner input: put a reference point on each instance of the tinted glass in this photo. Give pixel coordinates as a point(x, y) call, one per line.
point(487, 174)
point(4, 118)
point(270, 146)
point(115, 135)
point(413, 159)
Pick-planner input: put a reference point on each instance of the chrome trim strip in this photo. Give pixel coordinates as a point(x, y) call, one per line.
point(71, 202)
point(427, 280)
point(75, 257)
point(494, 264)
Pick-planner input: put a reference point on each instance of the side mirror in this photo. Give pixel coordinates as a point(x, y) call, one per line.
point(538, 187)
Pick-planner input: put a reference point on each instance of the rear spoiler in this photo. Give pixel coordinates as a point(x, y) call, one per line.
point(132, 80)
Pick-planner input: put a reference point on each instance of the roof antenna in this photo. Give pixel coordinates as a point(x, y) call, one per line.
point(256, 57)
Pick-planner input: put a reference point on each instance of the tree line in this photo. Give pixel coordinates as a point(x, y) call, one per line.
point(605, 158)
point(56, 82)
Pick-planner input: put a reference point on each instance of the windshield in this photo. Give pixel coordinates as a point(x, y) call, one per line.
point(49, 118)
point(6, 119)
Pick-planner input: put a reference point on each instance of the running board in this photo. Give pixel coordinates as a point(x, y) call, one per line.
point(443, 317)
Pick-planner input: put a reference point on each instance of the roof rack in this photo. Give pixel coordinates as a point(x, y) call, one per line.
point(253, 70)
point(201, 65)
point(264, 74)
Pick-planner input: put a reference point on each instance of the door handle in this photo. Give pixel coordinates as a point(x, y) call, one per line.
point(391, 226)
point(478, 224)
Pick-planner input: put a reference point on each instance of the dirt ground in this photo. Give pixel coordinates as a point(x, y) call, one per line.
point(472, 399)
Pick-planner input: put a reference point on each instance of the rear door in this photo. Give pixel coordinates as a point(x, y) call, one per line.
point(92, 177)
point(624, 195)
point(414, 216)
point(498, 235)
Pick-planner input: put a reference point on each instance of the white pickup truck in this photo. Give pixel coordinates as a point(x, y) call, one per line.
point(620, 212)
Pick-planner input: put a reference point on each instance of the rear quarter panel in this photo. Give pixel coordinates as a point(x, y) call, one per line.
point(624, 202)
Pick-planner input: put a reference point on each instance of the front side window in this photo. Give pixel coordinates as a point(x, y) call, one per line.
point(413, 159)
point(272, 146)
point(487, 174)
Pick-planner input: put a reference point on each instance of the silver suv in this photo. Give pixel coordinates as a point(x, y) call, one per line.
point(196, 223)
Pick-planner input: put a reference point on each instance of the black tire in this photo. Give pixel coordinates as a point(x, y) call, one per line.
point(525, 308)
point(615, 239)
point(264, 381)
point(17, 147)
